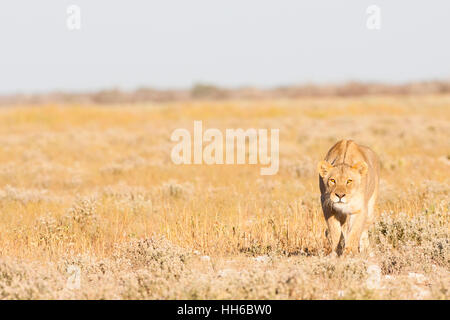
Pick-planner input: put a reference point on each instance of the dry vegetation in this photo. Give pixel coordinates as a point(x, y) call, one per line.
point(94, 187)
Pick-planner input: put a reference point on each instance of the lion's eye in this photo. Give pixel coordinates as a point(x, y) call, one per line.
point(332, 181)
point(349, 181)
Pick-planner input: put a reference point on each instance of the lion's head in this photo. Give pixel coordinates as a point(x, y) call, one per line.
point(342, 184)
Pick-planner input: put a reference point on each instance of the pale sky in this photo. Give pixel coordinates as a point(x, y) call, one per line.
point(177, 43)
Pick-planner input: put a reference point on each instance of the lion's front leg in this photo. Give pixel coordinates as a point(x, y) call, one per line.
point(364, 244)
point(334, 234)
point(353, 236)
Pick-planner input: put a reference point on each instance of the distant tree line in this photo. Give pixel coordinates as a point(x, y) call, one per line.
point(211, 92)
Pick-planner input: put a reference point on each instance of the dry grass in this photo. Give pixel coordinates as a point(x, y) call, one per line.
point(94, 186)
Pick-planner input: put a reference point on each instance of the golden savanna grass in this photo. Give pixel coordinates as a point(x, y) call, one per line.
point(94, 186)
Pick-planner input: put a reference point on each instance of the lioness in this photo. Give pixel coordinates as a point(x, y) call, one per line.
point(348, 180)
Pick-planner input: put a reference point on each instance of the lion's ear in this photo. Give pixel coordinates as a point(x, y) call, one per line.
point(361, 167)
point(324, 168)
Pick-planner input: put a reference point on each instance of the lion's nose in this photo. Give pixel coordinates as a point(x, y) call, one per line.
point(340, 195)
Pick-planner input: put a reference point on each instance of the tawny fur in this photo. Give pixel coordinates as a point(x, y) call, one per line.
point(348, 180)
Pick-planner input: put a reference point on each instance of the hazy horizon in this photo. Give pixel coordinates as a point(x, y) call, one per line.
point(175, 44)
